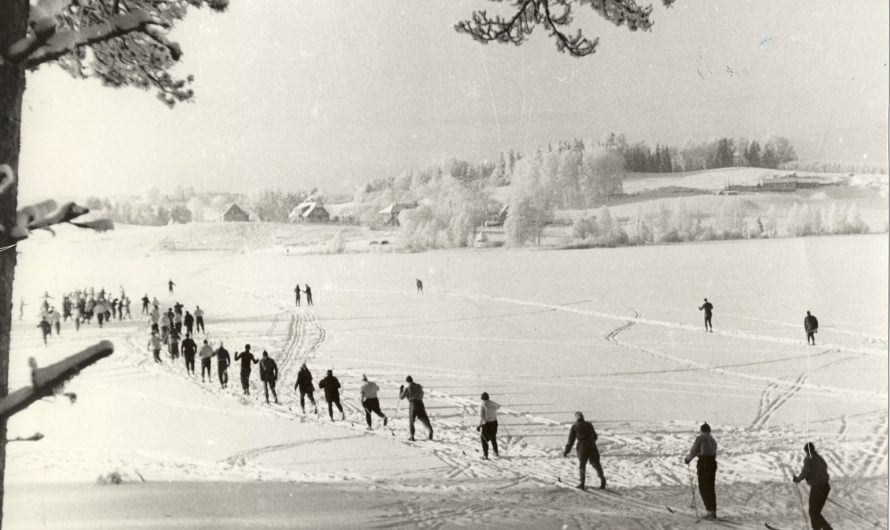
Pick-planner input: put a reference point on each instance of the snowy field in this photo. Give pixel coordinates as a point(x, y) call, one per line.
point(613, 332)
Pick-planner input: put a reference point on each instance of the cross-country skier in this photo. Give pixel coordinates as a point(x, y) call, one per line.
point(305, 386)
point(199, 319)
point(488, 425)
point(45, 328)
point(189, 322)
point(56, 319)
point(297, 294)
point(246, 358)
point(173, 345)
point(308, 292)
point(414, 394)
point(154, 344)
point(419, 286)
point(177, 323)
point(370, 402)
point(331, 387)
point(189, 349)
point(815, 472)
point(705, 449)
point(585, 434)
point(708, 308)
point(206, 356)
point(170, 285)
point(99, 310)
point(811, 326)
point(268, 375)
point(223, 360)
point(145, 301)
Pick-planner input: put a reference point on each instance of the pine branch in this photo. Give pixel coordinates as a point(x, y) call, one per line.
point(45, 381)
point(555, 16)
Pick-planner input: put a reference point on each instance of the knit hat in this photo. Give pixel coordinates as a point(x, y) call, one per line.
point(579, 415)
point(705, 427)
point(409, 379)
point(485, 396)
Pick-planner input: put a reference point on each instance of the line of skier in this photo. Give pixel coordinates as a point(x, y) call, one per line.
point(810, 322)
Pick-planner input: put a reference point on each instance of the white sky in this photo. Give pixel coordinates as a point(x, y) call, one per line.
point(293, 94)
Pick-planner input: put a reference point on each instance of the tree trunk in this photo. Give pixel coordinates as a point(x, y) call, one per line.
point(13, 26)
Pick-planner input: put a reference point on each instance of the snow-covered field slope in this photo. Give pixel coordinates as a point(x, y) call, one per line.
point(613, 332)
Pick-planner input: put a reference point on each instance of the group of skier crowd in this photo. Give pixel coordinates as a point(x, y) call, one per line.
point(80, 306)
point(166, 328)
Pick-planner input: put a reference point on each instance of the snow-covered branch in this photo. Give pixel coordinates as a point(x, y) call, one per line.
point(45, 381)
point(49, 45)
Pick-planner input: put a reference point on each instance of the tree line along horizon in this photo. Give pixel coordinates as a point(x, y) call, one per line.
point(615, 155)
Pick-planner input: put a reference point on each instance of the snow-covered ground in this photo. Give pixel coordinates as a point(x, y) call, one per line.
point(613, 332)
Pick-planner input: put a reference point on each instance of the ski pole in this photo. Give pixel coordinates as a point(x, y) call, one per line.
point(841, 506)
point(806, 518)
point(692, 490)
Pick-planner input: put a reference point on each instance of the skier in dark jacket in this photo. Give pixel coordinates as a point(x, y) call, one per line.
point(246, 358)
point(815, 472)
point(268, 375)
point(708, 308)
point(189, 322)
point(189, 349)
point(705, 449)
point(305, 386)
point(811, 326)
point(145, 304)
point(331, 387)
point(223, 360)
point(308, 292)
point(46, 328)
point(297, 294)
point(414, 394)
point(170, 285)
point(585, 434)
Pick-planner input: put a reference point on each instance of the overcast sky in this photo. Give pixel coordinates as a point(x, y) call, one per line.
point(293, 94)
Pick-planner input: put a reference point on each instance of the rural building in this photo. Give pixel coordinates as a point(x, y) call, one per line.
point(390, 214)
point(309, 212)
point(497, 218)
point(234, 214)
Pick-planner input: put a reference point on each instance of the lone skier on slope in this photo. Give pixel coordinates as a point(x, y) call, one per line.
point(705, 449)
point(331, 387)
point(488, 425)
point(308, 292)
point(584, 432)
point(414, 394)
point(815, 472)
point(811, 326)
point(246, 358)
point(370, 402)
point(305, 386)
point(268, 375)
point(297, 294)
point(708, 308)
point(170, 285)
point(419, 286)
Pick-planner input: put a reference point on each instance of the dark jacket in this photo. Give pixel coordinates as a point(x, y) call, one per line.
point(331, 387)
point(188, 346)
point(304, 382)
point(814, 471)
point(246, 358)
point(810, 323)
point(412, 392)
point(222, 358)
point(268, 369)
point(584, 432)
point(708, 307)
point(188, 319)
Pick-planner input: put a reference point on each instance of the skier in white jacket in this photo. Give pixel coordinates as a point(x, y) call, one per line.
point(370, 402)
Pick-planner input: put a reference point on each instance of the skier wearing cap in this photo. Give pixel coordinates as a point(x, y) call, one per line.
point(370, 402)
point(585, 434)
point(815, 472)
point(488, 425)
point(305, 386)
point(331, 387)
point(705, 449)
point(414, 394)
point(223, 360)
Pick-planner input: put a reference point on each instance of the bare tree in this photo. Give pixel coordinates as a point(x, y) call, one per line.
point(121, 42)
point(556, 17)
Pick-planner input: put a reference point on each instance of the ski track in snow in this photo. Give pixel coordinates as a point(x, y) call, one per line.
point(657, 448)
